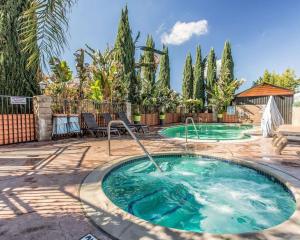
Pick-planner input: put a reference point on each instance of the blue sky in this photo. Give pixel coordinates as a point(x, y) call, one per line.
point(265, 34)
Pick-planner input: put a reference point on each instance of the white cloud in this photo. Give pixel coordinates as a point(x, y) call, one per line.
point(182, 32)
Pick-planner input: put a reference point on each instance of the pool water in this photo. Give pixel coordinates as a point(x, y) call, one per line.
point(209, 131)
point(199, 194)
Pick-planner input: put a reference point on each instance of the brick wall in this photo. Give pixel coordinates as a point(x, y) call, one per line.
point(230, 118)
point(15, 128)
point(205, 117)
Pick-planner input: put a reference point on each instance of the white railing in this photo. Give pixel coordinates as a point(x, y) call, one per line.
point(134, 138)
point(186, 128)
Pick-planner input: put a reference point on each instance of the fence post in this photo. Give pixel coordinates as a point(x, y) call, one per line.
point(128, 110)
point(43, 117)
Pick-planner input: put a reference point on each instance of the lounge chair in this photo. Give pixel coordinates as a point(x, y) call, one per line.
point(107, 118)
point(139, 127)
point(93, 127)
point(284, 136)
point(60, 126)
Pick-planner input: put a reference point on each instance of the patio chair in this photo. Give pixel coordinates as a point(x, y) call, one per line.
point(60, 126)
point(107, 118)
point(285, 135)
point(93, 127)
point(74, 125)
point(139, 127)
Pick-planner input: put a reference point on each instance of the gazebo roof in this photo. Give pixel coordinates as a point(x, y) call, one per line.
point(265, 89)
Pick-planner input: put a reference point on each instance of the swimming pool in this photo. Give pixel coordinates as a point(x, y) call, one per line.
point(199, 194)
point(209, 132)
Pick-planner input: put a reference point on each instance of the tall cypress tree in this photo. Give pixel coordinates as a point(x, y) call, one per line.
point(15, 77)
point(149, 70)
point(188, 78)
point(164, 71)
point(125, 52)
point(199, 85)
point(211, 78)
point(227, 67)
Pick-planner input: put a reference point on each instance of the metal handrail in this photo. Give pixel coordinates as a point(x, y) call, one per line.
point(134, 138)
point(186, 128)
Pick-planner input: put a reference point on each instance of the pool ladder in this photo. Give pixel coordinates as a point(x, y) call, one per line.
point(186, 128)
point(134, 138)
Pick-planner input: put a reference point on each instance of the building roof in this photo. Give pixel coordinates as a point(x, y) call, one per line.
point(265, 89)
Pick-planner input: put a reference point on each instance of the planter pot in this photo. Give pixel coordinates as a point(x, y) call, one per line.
point(220, 117)
point(162, 116)
point(137, 118)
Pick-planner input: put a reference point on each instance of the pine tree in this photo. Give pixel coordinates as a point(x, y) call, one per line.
point(125, 52)
point(227, 67)
point(164, 71)
point(211, 78)
point(149, 70)
point(199, 85)
point(15, 77)
point(188, 78)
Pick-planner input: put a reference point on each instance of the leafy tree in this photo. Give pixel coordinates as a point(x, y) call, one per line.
point(139, 76)
point(199, 84)
point(167, 100)
point(222, 92)
point(211, 78)
point(287, 79)
point(164, 71)
point(82, 71)
point(43, 28)
point(60, 79)
point(15, 77)
point(107, 76)
point(125, 52)
point(149, 70)
point(188, 79)
point(227, 66)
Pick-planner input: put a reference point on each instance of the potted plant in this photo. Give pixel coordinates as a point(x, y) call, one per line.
point(162, 117)
point(136, 115)
point(220, 116)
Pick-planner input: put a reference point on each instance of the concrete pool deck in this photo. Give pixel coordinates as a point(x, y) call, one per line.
point(40, 182)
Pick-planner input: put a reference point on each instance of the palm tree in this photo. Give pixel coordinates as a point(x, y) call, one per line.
point(45, 23)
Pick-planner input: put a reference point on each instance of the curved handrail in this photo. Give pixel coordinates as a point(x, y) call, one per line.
point(186, 128)
point(134, 138)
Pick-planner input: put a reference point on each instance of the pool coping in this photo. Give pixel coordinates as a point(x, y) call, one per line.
point(252, 137)
point(121, 225)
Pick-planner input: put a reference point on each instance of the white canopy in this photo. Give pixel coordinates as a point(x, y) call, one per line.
point(271, 118)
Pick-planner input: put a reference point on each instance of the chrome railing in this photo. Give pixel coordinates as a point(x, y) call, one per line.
point(186, 128)
point(134, 138)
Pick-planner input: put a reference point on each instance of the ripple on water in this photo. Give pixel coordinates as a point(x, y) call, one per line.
point(199, 194)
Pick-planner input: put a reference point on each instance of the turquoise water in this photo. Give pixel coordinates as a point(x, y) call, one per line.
point(209, 131)
point(195, 193)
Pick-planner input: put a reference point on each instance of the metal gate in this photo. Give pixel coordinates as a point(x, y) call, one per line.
point(17, 121)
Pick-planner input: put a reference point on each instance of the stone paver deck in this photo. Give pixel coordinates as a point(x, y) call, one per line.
point(40, 182)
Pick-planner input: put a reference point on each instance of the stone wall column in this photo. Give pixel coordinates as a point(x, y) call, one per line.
point(43, 117)
point(128, 110)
